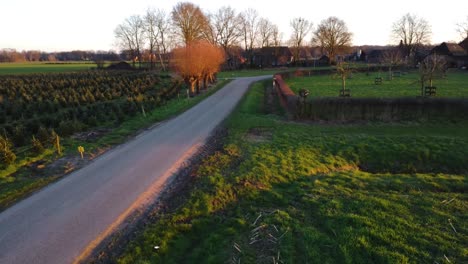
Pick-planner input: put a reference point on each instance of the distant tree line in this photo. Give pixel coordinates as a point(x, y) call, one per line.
point(12, 55)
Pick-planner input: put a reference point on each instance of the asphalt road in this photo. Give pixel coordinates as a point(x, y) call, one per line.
point(65, 219)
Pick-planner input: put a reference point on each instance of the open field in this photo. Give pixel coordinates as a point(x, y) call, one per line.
point(32, 170)
point(361, 85)
point(247, 73)
point(296, 193)
point(266, 71)
point(26, 68)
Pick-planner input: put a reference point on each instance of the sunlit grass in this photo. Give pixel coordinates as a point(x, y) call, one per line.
point(374, 193)
point(362, 85)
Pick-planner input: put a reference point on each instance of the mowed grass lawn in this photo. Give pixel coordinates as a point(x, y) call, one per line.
point(26, 68)
point(281, 192)
point(361, 85)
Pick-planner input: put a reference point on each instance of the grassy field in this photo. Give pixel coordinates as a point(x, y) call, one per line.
point(361, 85)
point(248, 73)
point(19, 180)
point(281, 192)
point(267, 71)
point(26, 68)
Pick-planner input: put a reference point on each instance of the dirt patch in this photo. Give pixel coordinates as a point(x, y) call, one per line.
point(91, 136)
point(37, 167)
point(258, 135)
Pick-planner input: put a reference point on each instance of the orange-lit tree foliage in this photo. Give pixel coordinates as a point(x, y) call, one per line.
point(197, 63)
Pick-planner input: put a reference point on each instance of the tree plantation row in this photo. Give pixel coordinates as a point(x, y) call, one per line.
point(41, 105)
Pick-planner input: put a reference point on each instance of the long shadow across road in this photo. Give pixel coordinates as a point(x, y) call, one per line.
point(67, 218)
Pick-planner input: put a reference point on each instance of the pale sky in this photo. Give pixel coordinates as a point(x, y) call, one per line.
point(61, 25)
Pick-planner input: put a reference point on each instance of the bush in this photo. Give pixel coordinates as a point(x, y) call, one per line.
point(67, 128)
point(378, 109)
point(37, 146)
point(43, 135)
point(7, 154)
point(19, 136)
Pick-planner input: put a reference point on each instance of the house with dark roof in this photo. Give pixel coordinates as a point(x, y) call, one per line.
point(464, 44)
point(454, 54)
point(272, 56)
point(375, 56)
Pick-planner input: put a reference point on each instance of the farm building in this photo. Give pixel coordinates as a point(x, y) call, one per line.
point(272, 56)
point(464, 44)
point(455, 55)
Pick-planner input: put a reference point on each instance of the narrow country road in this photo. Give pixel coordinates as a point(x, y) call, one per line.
point(59, 223)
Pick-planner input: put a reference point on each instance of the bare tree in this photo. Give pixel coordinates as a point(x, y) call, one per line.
point(432, 67)
point(333, 36)
point(151, 33)
point(130, 36)
point(191, 23)
point(411, 31)
point(165, 36)
point(249, 27)
point(276, 36)
point(265, 32)
point(462, 28)
point(158, 33)
point(344, 71)
point(392, 58)
point(226, 24)
point(301, 28)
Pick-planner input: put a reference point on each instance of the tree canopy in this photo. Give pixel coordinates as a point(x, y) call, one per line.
point(198, 62)
point(411, 31)
point(332, 35)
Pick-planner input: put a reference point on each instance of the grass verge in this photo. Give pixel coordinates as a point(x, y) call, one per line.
point(296, 193)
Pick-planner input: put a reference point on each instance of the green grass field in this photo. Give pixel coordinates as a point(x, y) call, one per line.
point(282, 192)
point(361, 85)
point(26, 68)
point(247, 73)
point(267, 71)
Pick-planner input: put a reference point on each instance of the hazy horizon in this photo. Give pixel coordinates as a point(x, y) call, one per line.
point(53, 25)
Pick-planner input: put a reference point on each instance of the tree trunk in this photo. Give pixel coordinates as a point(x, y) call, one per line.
point(343, 82)
point(151, 57)
point(422, 87)
point(191, 84)
point(162, 62)
point(205, 81)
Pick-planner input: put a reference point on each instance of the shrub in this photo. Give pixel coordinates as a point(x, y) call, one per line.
point(43, 135)
point(37, 146)
point(19, 136)
point(7, 154)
